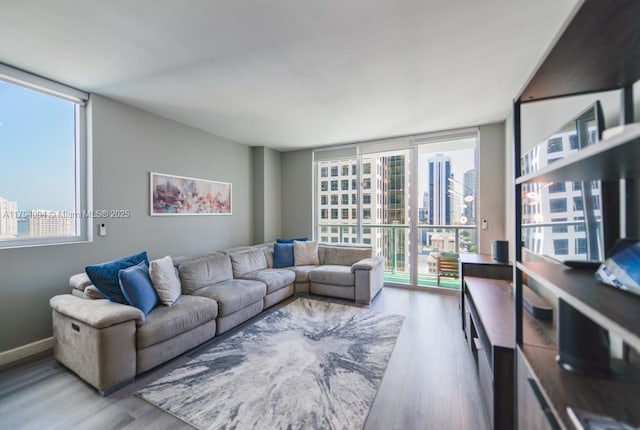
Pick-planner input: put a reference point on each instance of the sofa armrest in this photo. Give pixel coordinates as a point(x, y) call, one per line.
point(96, 313)
point(369, 278)
point(368, 263)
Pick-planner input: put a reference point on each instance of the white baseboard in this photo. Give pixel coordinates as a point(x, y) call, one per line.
point(24, 351)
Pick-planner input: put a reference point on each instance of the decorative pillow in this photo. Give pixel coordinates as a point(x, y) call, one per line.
point(165, 279)
point(104, 276)
point(299, 239)
point(137, 288)
point(305, 253)
point(283, 255)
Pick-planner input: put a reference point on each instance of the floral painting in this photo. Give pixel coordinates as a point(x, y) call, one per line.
point(179, 195)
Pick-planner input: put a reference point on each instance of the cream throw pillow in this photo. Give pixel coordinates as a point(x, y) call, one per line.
point(165, 280)
point(305, 253)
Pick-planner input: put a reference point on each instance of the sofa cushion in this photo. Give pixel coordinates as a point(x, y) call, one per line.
point(246, 262)
point(333, 274)
point(305, 253)
point(344, 255)
point(234, 294)
point(302, 272)
point(105, 275)
point(283, 255)
point(79, 281)
point(275, 279)
point(165, 279)
point(203, 272)
point(92, 293)
point(166, 322)
point(137, 288)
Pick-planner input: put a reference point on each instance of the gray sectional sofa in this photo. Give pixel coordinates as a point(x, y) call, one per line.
point(107, 344)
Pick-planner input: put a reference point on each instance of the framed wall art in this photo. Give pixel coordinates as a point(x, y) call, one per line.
point(180, 195)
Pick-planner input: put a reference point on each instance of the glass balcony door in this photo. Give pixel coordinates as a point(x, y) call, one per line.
point(410, 204)
point(446, 207)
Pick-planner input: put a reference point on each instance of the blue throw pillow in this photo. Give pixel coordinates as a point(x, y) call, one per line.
point(137, 288)
point(105, 275)
point(283, 255)
point(299, 239)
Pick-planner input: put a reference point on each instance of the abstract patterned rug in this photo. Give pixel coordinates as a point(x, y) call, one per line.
point(309, 365)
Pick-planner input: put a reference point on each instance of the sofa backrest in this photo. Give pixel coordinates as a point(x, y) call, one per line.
point(343, 255)
point(245, 262)
point(202, 272)
point(184, 258)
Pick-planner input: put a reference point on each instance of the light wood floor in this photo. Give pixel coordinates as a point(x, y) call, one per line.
point(430, 381)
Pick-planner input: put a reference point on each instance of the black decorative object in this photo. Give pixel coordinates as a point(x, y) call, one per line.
point(500, 250)
point(583, 346)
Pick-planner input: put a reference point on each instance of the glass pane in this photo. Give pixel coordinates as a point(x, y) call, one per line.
point(340, 222)
point(447, 208)
point(38, 173)
point(565, 227)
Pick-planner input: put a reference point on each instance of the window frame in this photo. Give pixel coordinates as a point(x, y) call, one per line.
point(83, 214)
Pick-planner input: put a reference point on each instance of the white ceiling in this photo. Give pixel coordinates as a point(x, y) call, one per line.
point(290, 73)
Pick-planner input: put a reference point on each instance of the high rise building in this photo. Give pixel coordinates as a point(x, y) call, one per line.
point(8, 219)
point(396, 207)
point(46, 223)
point(439, 185)
point(469, 189)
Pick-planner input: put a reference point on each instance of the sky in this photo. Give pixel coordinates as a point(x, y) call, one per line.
point(37, 163)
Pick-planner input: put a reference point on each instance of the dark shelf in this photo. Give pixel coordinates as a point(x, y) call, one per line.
point(615, 396)
point(598, 49)
point(613, 309)
point(613, 158)
point(493, 300)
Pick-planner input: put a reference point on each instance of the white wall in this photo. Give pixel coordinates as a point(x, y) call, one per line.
point(127, 144)
point(297, 193)
point(267, 200)
point(491, 184)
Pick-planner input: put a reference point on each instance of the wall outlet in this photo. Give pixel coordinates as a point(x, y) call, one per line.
point(485, 224)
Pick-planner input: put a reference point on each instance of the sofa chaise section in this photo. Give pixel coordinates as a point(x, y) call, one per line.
point(348, 272)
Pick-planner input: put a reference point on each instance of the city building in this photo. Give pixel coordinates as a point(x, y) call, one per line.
point(8, 218)
point(46, 223)
point(469, 179)
point(439, 185)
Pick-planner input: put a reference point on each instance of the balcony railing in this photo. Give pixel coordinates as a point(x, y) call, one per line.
point(393, 241)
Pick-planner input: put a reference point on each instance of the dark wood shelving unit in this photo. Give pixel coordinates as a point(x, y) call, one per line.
point(613, 158)
point(598, 49)
point(613, 309)
point(615, 396)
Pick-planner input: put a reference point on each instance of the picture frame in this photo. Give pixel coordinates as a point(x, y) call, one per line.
point(171, 195)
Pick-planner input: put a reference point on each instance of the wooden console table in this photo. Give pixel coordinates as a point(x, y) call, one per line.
point(482, 266)
point(491, 337)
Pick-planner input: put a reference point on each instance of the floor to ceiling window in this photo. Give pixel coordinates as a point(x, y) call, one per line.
point(410, 199)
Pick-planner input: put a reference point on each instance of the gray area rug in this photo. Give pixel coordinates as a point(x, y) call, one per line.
point(309, 365)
